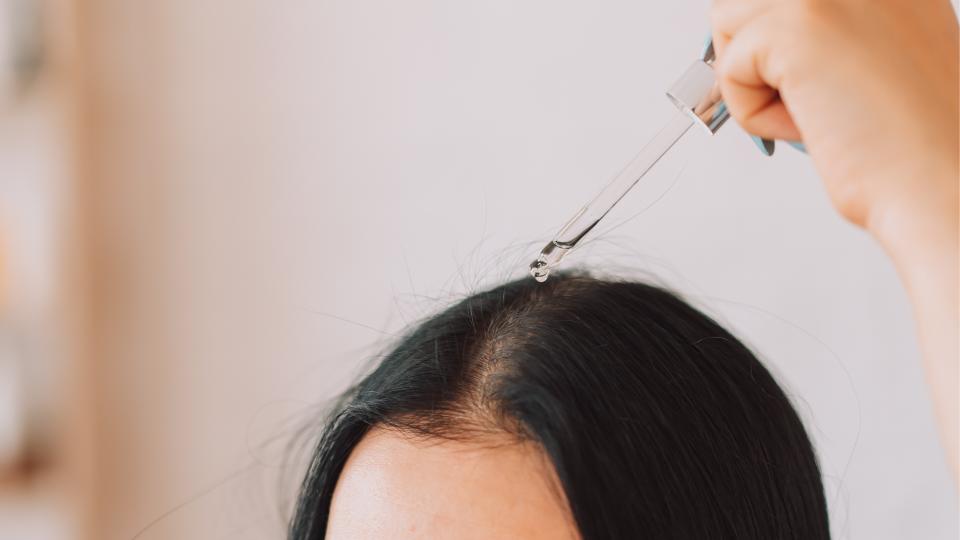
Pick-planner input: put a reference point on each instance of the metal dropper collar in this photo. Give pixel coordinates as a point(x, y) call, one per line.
point(696, 92)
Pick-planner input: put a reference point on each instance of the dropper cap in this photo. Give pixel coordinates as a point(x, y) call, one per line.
point(696, 93)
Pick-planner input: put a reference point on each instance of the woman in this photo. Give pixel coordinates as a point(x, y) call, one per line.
point(596, 409)
point(578, 408)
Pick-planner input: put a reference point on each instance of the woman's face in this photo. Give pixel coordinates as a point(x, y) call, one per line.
point(395, 486)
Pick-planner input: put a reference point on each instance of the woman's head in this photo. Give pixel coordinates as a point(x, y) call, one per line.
point(577, 407)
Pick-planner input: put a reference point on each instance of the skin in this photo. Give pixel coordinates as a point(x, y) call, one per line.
point(397, 486)
point(870, 86)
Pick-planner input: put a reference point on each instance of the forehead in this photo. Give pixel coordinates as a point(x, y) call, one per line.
point(398, 487)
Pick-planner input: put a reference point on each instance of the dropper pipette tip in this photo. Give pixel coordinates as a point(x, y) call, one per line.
point(540, 270)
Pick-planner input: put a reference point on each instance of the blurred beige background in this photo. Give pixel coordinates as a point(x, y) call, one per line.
point(214, 213)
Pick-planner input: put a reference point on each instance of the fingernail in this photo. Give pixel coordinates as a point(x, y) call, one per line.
point(798, 145)
point(707, 45)
point(765, 145)
point(721, 111)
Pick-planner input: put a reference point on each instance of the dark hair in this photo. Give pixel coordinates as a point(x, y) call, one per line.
point(659, 423)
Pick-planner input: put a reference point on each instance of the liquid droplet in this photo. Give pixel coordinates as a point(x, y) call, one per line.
point(539, 270)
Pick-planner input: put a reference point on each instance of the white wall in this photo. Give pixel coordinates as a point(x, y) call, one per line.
point(284, 182)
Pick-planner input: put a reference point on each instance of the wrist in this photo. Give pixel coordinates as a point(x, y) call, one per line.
point(919, 229)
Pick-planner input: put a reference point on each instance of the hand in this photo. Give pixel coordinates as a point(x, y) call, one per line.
point(871, 87)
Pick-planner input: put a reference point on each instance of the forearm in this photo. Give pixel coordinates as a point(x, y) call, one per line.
point(921, 236)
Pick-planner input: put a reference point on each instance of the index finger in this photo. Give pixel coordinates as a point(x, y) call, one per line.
point(729, 16)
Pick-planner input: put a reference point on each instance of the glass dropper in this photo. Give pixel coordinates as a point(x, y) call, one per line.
point(588, 216)
point(698, 97)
